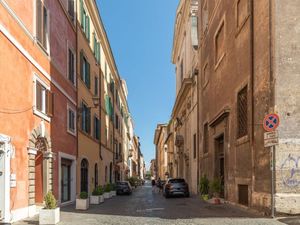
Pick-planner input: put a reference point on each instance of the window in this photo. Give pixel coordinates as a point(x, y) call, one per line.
point(43, 99)
point(205, 17)
point(71, 66)
point(195, 145)
point(206, 139)
point(85, 21)
point(85, 70)
point(96, 128)
point(96, 91)
point(42, 26)
point(86, 118)
point(96, 175)
point(71, 120)
point(219, 43)
point(71, 10)
point(117, 122)
point(242, 12)
point(242, 114)
point(96, 49)
point(181, 71)
point(205, 75)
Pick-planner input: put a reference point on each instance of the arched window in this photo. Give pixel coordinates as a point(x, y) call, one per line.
point(105, 174)
point(96, 175)
point(84, 175)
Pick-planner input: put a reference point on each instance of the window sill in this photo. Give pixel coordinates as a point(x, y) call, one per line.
point(73, 133)
point(42, 115)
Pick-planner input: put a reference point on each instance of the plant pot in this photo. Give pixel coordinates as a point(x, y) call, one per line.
point(49, 216)
point(217, 201)
point(82, 204)
point(95, 200)
point(106, 195)
point(101, 198)
point(113, 193)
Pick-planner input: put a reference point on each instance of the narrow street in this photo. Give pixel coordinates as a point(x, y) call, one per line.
point(146, 207)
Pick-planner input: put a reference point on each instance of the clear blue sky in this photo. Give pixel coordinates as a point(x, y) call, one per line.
point(141, 37)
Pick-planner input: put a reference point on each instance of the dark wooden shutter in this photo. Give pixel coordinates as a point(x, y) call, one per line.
point(38, 96)
point(88, 120)
point(49, 103)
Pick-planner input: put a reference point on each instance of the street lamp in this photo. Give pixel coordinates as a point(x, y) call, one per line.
point(96, 103)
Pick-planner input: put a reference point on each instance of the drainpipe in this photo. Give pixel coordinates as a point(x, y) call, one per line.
point(252, 93)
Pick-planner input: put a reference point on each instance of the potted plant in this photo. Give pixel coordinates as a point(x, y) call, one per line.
point(215, 187)
point(107, 191)
point(51, 213)
point(97, 196)
point(83, 202)
point(113, 191)
point(204, 187)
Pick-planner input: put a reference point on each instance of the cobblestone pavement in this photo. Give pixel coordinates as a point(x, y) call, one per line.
point(145, 207)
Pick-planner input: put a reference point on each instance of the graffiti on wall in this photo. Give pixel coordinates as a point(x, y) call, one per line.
point(290, 171)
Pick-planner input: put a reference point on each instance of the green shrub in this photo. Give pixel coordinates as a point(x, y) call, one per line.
point(98, 191)
point(50, 201)
point(204, 185)
point(84, 195)
point(113, 187)
point(215, 186)
point(107, 188)
point(133, 181)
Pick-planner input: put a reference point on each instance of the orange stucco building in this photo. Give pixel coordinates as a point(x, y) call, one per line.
point(38, 137)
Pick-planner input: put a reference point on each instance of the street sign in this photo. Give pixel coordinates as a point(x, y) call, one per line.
point(271, 138)
point(271, 135)
point(271, 142)
point(271, 122)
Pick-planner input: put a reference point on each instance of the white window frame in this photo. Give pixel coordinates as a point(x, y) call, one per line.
point(69, 47)
point(71, 108)
point(43, 115)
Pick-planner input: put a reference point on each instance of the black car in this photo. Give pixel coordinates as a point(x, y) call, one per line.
point(176, 186)
point(123, 187)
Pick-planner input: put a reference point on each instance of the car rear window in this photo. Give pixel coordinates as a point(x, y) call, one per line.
point(174, 181)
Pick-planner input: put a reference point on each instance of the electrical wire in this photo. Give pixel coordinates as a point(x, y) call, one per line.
point(14, 111)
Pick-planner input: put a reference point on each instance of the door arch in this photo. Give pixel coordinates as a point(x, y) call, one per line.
point(84, 175)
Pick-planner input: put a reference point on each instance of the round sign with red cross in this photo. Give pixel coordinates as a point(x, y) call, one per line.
point(271, 122)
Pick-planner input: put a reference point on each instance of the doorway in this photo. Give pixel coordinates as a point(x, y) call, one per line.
point(2, 181)
point(220, 162)
point(84, 175)
point(66, 180)
point(39, 196)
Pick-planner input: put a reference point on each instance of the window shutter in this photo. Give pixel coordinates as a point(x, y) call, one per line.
point(82, 116)
point(81, 13)
point(71, 10)
point(88, 28)
point(95, 44)
point(88, 120)
point(39, 20)
point(88, 83)
point(98, 47)
point(81, 65)
point(38, 96)
point(49, 103)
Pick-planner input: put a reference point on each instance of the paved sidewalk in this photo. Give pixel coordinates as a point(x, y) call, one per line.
point(145, 207)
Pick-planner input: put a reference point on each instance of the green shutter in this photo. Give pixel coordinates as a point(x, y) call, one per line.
point(95, 45)
point(107, 104)
point(89, 121)
point(81, 65)
point(81, 13)
point(88, 28)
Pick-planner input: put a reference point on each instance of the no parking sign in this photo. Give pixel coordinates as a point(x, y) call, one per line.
point(271, 122)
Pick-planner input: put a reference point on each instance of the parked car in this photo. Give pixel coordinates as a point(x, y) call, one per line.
point(123, 187)
point(176, 186)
